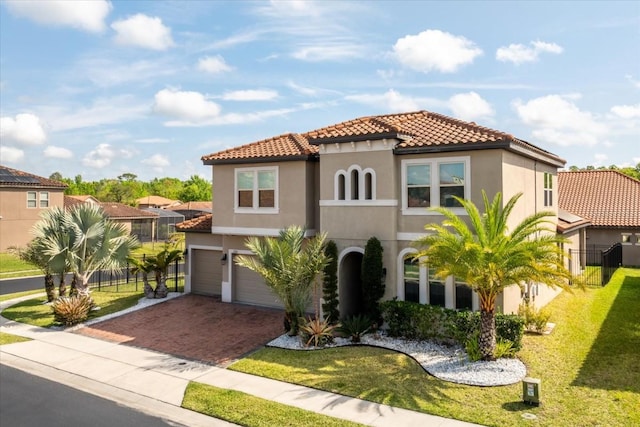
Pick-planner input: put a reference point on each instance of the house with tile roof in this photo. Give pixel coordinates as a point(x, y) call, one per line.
point(156, 202)
point(610, 202)
point(138, 222)
point(371, 176)
point(23, 197)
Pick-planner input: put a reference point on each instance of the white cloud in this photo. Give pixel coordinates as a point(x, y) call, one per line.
point(57, 152)
point(392, 101)
point(627, 111)
point(519, 53)
point(104, 72)
point(235, 118)
point(335, 52)
point(213, 65)
point(599, 159)
point(634, 82)
point(10, 154)
point(102, 156)
point(103, 111)
point(470, 106)
point(87, 15)
point(188, 106)
point(24, 129)
point(250, 95)
point(143, 31)
point(157, 162)
point(435, 50)
point(557, 120)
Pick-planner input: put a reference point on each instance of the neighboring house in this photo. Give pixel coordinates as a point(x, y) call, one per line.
point(138, 222)
point(610, 201)
point(372, 176)
point(156, 202)
point(192, 209)
point(166, 223)
point(23, 197)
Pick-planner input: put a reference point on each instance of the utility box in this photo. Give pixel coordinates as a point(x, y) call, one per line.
point(531, 391)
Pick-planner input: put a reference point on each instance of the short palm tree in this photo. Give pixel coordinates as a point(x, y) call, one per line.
point(87, 241)
point(489, 257)
point(160, 264)
point(290, 267)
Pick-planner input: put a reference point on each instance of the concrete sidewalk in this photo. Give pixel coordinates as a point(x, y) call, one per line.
point(155, 383)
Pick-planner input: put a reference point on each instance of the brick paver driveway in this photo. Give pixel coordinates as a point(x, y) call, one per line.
point(194, 327)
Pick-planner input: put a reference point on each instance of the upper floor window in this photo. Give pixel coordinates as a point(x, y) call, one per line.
point(44, 199)
point(355, 184)
point(256, 189)
point(548, 189)
point(32, 199)
point(434, 182)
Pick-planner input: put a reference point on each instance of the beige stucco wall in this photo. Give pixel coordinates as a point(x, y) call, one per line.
point(17, 220)
point(602, 237)
point(295, 194)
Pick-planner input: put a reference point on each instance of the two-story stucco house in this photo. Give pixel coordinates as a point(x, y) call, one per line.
point(23, 197)
point(371, 176)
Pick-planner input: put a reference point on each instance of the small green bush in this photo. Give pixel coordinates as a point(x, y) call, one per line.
point(534, 320)
point(504, 348)
point(355, 327)
point(70, 311)
point(472, 347)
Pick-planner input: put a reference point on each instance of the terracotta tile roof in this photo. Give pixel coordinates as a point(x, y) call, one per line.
point(568, 221)
point(70, 202)
point(287, 146)
point(121, 211)
point(199, 224)
point(15, 178)
point(157, 200)
point(419, 131)
point(192, 206)
point(607, 198)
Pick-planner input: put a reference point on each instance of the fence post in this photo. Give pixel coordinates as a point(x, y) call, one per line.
point(175, 272)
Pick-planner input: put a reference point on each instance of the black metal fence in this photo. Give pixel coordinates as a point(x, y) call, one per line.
point(595, 265)
point(116, 279)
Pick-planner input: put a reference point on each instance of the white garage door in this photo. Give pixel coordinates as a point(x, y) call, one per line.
point(249, 288)
point(206, 277)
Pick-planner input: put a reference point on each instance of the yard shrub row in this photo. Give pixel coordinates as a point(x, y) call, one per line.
point(429, 322)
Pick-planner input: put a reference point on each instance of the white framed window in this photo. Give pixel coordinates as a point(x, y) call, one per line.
point(463, 296)
point(44, 199)
point(638, 239)
point(411, 279)
point(435, 289)
point(354, 184)
point(625, 239)
point(434, 182)
point(548, 189)
point(32, 199)
point(256, 190)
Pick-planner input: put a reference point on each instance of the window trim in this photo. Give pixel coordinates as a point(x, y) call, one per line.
point(344, 191)
point(256, 209)
point(43, 199)
point(627, 235)
point(547, 185)
point(435, 183)
point(34, 199)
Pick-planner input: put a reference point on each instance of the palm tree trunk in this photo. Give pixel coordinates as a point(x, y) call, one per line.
point(161, 289)
point(49, 287)
point(74, 285)
point(149, 292)
point(82, 287)
point(487, 342)
point(62, 286)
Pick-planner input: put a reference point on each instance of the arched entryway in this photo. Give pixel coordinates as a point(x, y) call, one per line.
point(350, 282)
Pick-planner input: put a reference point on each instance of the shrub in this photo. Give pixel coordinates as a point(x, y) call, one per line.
point(504, 348)
point(534, 320)
point(330, 283)
point(472, 347)
point(70, 311)
point(317, 332)
point(428, 322)
point(372, 279)
point(355, 327)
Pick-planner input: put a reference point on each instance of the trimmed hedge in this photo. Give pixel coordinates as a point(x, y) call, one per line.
point(429, 322)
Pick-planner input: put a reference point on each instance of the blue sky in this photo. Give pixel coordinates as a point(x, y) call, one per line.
point(101, 88)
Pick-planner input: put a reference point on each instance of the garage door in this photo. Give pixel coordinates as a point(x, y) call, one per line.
point(206, 278)
point(249, 288)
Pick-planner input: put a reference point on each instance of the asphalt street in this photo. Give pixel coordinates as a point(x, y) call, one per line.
point(27, 400)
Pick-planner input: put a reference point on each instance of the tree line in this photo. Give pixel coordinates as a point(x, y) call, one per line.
point(633, 172)
point(126, 188)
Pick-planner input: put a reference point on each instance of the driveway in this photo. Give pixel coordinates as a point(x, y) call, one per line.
point(194, 327)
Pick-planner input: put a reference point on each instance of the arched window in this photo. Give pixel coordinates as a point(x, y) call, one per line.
point(341, 186)
point(368, 186)
point(355, 184)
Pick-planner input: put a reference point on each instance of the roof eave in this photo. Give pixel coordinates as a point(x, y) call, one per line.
point(356, 138)
point(304, 157)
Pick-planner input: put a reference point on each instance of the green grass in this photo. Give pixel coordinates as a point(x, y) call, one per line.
point(246, 410)
point(588, 367)
point(36, 312)
point(6, 338)
point(12, 266)
point(20, 294)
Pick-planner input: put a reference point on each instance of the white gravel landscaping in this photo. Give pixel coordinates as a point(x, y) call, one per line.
point(446, 363)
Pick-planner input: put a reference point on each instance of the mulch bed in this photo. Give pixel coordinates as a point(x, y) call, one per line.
point(194, 327)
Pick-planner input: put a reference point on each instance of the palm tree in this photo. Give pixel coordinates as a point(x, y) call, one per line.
point(489, 257)
point(160, 264)
point(91, 242)
point(144, 267)
point(289, 267)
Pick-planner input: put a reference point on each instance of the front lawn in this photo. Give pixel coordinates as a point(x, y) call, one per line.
point(36, 312)
point(6, 338)
point(12, 266)
point(588, 367)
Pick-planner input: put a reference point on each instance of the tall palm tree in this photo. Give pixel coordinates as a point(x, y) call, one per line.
point(289, 267)
point(91, 242)
point(489, 257)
